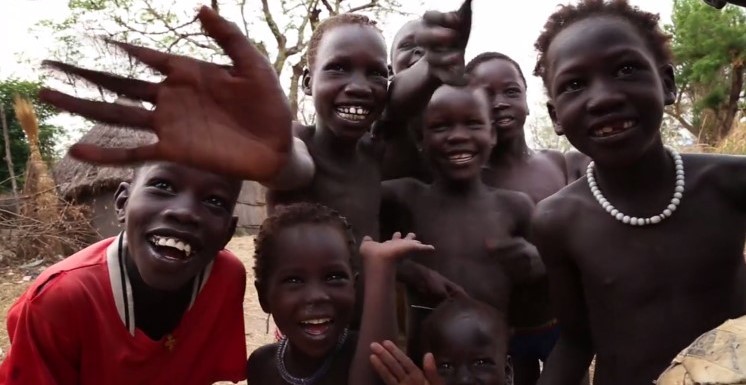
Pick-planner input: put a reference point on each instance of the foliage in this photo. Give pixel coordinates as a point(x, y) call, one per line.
point(710, 50)
point(48, 134)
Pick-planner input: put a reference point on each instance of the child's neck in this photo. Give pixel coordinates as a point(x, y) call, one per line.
point(508, 151)
point(652, 172)
point(459, 188)
point(326, 140)
point(300, 364)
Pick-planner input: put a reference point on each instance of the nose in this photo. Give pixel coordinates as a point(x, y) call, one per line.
point(464, 376)
point(603, 97)
point(458, 133)
point(418, 51)
point(315, 293)
point(358, 87)
point(183, 211)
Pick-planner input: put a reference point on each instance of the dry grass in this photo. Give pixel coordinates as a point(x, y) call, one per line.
point(12, 284)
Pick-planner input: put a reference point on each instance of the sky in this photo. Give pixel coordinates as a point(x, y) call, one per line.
point(507, 26)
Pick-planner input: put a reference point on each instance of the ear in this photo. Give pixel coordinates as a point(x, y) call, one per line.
point(231, 231)
point(669, 84)
point(553, 115)
point(391, 71)
point(307, 82)
point(262, 297)
point(120, 200)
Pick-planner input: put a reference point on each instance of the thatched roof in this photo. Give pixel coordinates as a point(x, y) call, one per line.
point(77, 180)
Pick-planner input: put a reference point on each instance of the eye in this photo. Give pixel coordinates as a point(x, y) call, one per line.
point(475, 124)
point(483, 362)
point(444, 366)
point(217, 201)
point(338, 277)
point(627, 69)
point(162, 184)
point(513, 92)
point(335, 67)
point(292, 280)
point(571, 86)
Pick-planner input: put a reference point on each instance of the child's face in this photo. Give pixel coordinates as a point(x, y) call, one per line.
point(456, 134)
point(405, 51)
point(310, 288)
point(467, 350)
point(176, 220)
point(349, 80)
point(607, 91)
point(503, 82)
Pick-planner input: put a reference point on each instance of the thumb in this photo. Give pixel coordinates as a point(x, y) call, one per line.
point(431, 370)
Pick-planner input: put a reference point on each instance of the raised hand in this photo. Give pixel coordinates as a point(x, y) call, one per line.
point(393, 249)
point(444, 36)
point(230, 120)
point(395, 368)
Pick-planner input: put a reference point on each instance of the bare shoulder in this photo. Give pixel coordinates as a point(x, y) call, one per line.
point(554, 156)
point(519, 203)
point(725, 172)
point(555, 212)
point(402, 189)
point(259, 360)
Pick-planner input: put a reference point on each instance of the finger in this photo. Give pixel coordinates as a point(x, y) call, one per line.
point(437, 38)
point(229, 37)
point(367, 238)
point(160, 61)
point(431, 370)
point(464, 15)
point(383, 371)
point(133, 88)
point(111, 113)
point(392, 364)
point(404, 361)
point(410, 236)
point(397, 235)
point(90, 153)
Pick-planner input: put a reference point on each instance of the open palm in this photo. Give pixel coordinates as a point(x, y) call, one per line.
point(231, 120)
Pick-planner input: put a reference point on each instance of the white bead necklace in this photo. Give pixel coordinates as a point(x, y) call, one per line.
point(635, 221)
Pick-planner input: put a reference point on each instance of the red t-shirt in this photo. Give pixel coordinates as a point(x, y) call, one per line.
point(75, 325)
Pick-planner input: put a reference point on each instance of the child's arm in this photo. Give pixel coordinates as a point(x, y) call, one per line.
point(395, 368)
point(518, 256)
point(444, 37)
point(379, 309)
point(573, 353)
point(297, 172)
point(232, 120)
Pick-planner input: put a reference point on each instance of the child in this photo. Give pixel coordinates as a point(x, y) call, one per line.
point(161, 303)
point(514, 166)
point(654, 253)
point(477, 231)
point(466, 341)
point(304, 279)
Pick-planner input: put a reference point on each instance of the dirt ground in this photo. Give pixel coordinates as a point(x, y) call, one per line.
point(13, 281)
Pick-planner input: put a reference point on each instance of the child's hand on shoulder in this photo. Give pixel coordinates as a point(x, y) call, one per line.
point(232, 120)
point(392, 250)
point(395, 368)
point(444, 36)
point(519, 258)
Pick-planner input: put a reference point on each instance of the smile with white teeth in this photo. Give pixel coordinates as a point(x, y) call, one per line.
point(319, 321)
point(353, 113)
point(175, 243)
point(613, 128)
point(504, 121)
point(461, 158)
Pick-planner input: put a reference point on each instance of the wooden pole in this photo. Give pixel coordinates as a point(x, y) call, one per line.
point(8, 157)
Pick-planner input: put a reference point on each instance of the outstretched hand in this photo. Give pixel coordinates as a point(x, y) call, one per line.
point(395, 368)
point(519, 258)
point(444, 35)
point(393, 249)
point(229, 120)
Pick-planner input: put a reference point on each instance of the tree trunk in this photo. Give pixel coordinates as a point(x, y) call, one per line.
point(736, 86)
point(294, 86)
point(8, 157)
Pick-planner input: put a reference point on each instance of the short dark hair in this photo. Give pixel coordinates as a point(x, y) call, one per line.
point(457, 305)
point(330, 23)
point(288, 216)
point(489, 56)
point(646, 24)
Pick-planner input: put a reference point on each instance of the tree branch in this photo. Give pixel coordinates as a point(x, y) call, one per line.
point(328, 7)
point(359, 8)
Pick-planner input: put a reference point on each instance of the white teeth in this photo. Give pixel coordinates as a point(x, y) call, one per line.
point(460, 158)
point(355, 113)
point(316, 321)
point(175, 243)
point(614, 128)
point(628, 124)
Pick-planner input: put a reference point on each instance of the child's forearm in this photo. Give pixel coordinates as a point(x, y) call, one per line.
point(379, 317)
point(298, 171)
point(409, 92)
